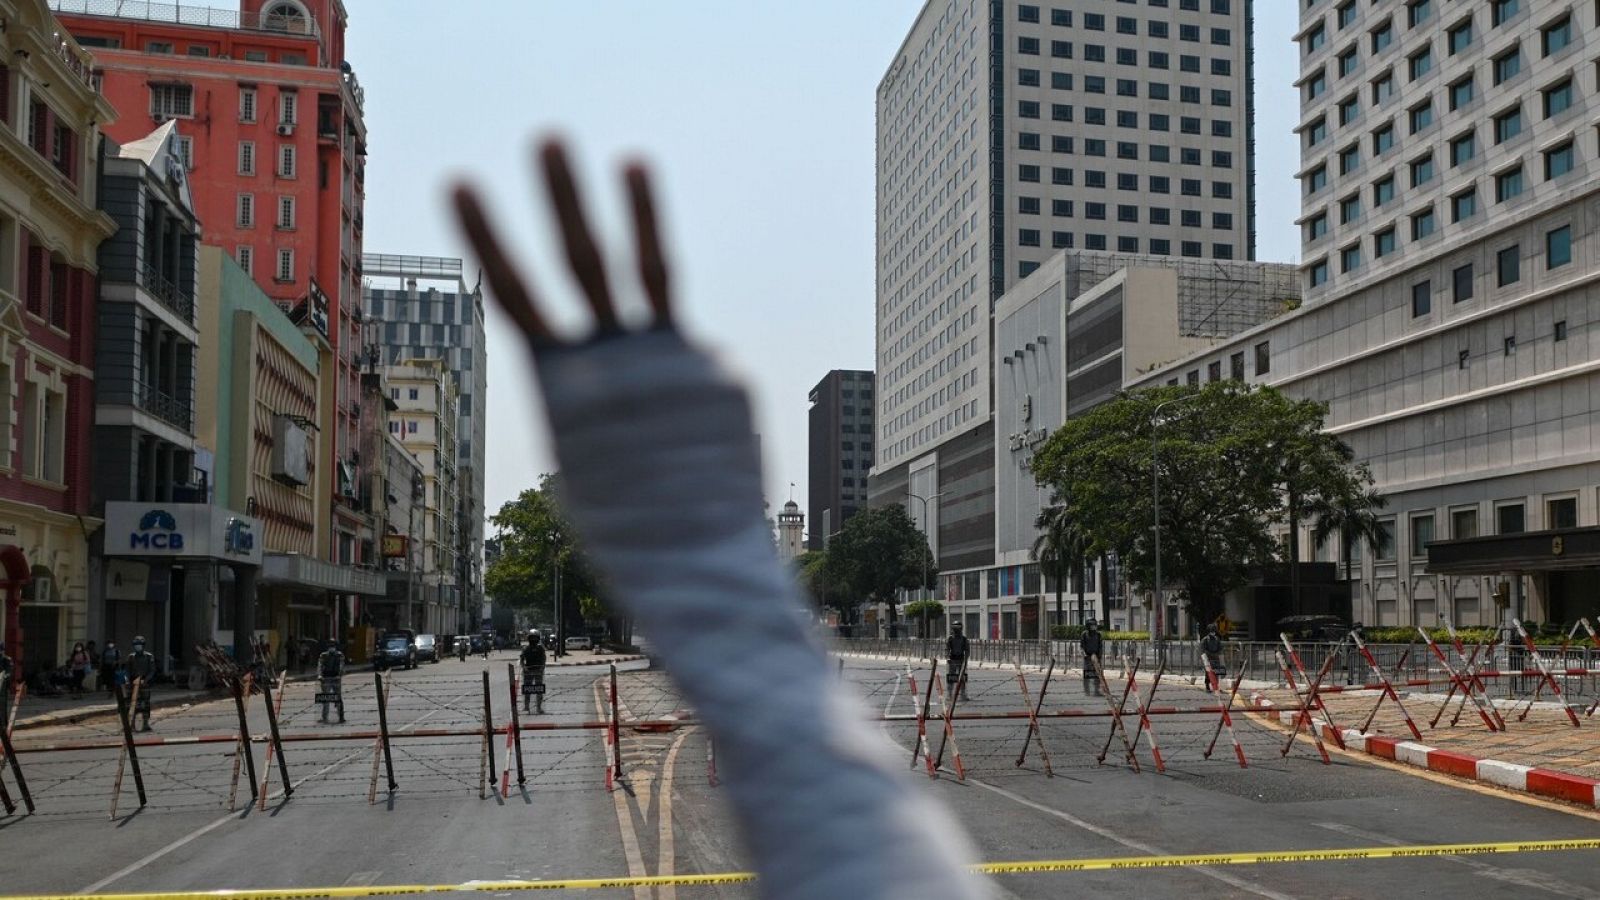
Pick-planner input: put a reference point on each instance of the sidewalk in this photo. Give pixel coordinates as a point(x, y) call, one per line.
point(1544, 755)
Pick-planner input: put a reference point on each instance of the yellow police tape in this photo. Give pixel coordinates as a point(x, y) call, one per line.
point(994, 868)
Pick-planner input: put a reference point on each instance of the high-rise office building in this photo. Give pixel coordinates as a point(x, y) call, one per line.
point(1006, 132)
point(420, 308)
point(839, 451)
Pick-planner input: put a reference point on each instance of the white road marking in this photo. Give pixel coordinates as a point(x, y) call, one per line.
point(230, 817)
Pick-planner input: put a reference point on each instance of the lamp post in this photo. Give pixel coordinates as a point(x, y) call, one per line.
point(923, 584)
point(1158, 631)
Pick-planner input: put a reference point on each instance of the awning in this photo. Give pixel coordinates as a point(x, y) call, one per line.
point(1529, 551)
point(309, 572)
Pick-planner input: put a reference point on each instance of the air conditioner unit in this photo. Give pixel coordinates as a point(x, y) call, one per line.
point(285, 129)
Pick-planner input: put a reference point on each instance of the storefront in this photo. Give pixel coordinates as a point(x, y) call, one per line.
point(1538, 576)
point(46, 613)
point(172, 570)
point(308, 601)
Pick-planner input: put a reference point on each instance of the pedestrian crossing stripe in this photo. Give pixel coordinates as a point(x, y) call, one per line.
point(992, 868)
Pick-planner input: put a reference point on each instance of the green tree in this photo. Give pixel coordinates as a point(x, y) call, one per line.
point(1351, 516)
point(922, 612)
point(811, 572)
point(1061, 549)
point(877, 553)
point(1223, 454)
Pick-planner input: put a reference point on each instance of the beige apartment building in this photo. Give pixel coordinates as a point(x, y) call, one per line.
point(424, 422)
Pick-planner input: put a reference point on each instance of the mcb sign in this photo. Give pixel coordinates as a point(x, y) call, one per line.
point(192, 530)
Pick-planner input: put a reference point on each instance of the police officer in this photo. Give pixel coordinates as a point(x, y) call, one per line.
point(330, 666)
point(532, 667)
point(142, 673)
point(955, 650)
point(1211, 648)
point(1093, 646)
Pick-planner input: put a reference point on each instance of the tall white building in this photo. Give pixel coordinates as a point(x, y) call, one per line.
point(1006, 132)
point(1452, 317)
point(424, 422)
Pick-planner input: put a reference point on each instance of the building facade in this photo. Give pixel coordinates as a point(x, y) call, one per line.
point(50, 229)
point(273, 136)
point(1459, 351)
point(1008, 131)
point(419, 307)
point(424, 423)
point(839, 451)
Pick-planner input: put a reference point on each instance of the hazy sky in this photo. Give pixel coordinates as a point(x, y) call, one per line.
point(758, 118)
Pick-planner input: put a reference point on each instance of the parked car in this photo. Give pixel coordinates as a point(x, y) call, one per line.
point(580, 642)
point(395, 650)
point(480, 643)
point(427, 648)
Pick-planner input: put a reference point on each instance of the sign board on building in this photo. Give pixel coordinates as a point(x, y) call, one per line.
point(181, 530)
point(317, 308)
point(394, 546)
point(127, 580)
point(291, 451)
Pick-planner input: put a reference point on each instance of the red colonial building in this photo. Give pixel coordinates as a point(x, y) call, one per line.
point(270, 116)
point(50, 229)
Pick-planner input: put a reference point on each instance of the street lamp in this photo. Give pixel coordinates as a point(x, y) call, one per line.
point(1158, 632)
point(924, 583)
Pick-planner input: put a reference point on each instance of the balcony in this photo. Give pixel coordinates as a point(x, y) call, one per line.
point(184, 14)
point(166, 293)
point(163, 406)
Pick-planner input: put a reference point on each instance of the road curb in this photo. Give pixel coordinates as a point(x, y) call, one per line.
point(1512, 776)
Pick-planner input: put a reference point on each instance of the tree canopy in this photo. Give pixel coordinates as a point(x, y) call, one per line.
point(877, 553)
point(1228, 456)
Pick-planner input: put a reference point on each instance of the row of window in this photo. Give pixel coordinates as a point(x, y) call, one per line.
point(1124, 24)
point(1508, 184)
point(1126, 212)
point(1510, 517)
point(1125, 244)
point(286, 159)
point(1508, 271)
point(246, 212)
point(1263, 361)
point(1126, 181)
point(1068, 144)
point(1030, 46)
point(43, 435)
point(175, 100)
point(1188, 95)
point(284, 271)
point(1418, 12)
point(168, 47)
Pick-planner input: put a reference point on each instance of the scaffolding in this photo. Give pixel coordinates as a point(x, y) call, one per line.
point(1216, 298)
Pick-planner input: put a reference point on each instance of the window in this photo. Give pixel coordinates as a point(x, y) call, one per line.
point(1349, 209)
point(1221, 67)
point(171, 101)
point(1028, 237)
point(1062, 208)
point(1382, 37)
point(1384, 243)
point(1061, 81)
point(1507, 65)
point(1461, 283)
point(1556, 35)
point(1421, 533)
point(247, 211)
point(1508, 184)
point(1061, 49)
point(1422, 170)
point(1557, 98)
point(1347, 14)
point(245, 256)
point(1350, 258)
point(1508, 265)
point(247, 104)
point(1263, 357)
point(1349, 108)
point(1508, 125)
point(1420, 116)
point(1317, 132)
point(1560, 331)
point(1127, 56)
point(286, 161)
point(1060, 143)
point(1558, 161)
point(1464, 205)
point(1561, 513)
point(1382, 139)
point(1027, 14)
point(1028, 206)
point(1382, 88)
point(1315, 38)
point(1094, 53)
point(1385, 544)
point(1061, 112)
point(185, 147)
point(1382, 191)
point(1317, 179)
point(1417, 11)
point(1509, 519)
point(1461, 93)
point(1060, 239)
point(288, 108)
point(411, 426)
point(1420, 64)
point(1348, 62)
point(1463, 523)
point(158, 46)
point(1156, 29)
point(1028, 77)
point(1558, 247)
point(255, 56)
point(1189, 218)
point(247, 157)
point(1462, 149)
point(1421, 299)
point(1422, 224)
point(286, 212)
point(1027, 140)
point(1221, 37)
point(1319, 277)
point(1062, 17)
point(1502, 10)
point(1317, 226)
point(285, 270)
point(1236, 366)
point(1028, 46)
point(1460, 37)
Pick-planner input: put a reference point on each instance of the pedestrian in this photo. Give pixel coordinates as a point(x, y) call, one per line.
point(142, 675)
point(1211, 649)
point(94, 658)
point(110, 658)
point(330, 668)
point(1093, 646)
point(78, 663)
point(956, 647)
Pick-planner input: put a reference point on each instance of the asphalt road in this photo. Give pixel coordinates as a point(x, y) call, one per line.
point(434, 828)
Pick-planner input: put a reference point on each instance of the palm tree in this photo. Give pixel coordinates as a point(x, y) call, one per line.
point(1060, 549)
point(1353, 516)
